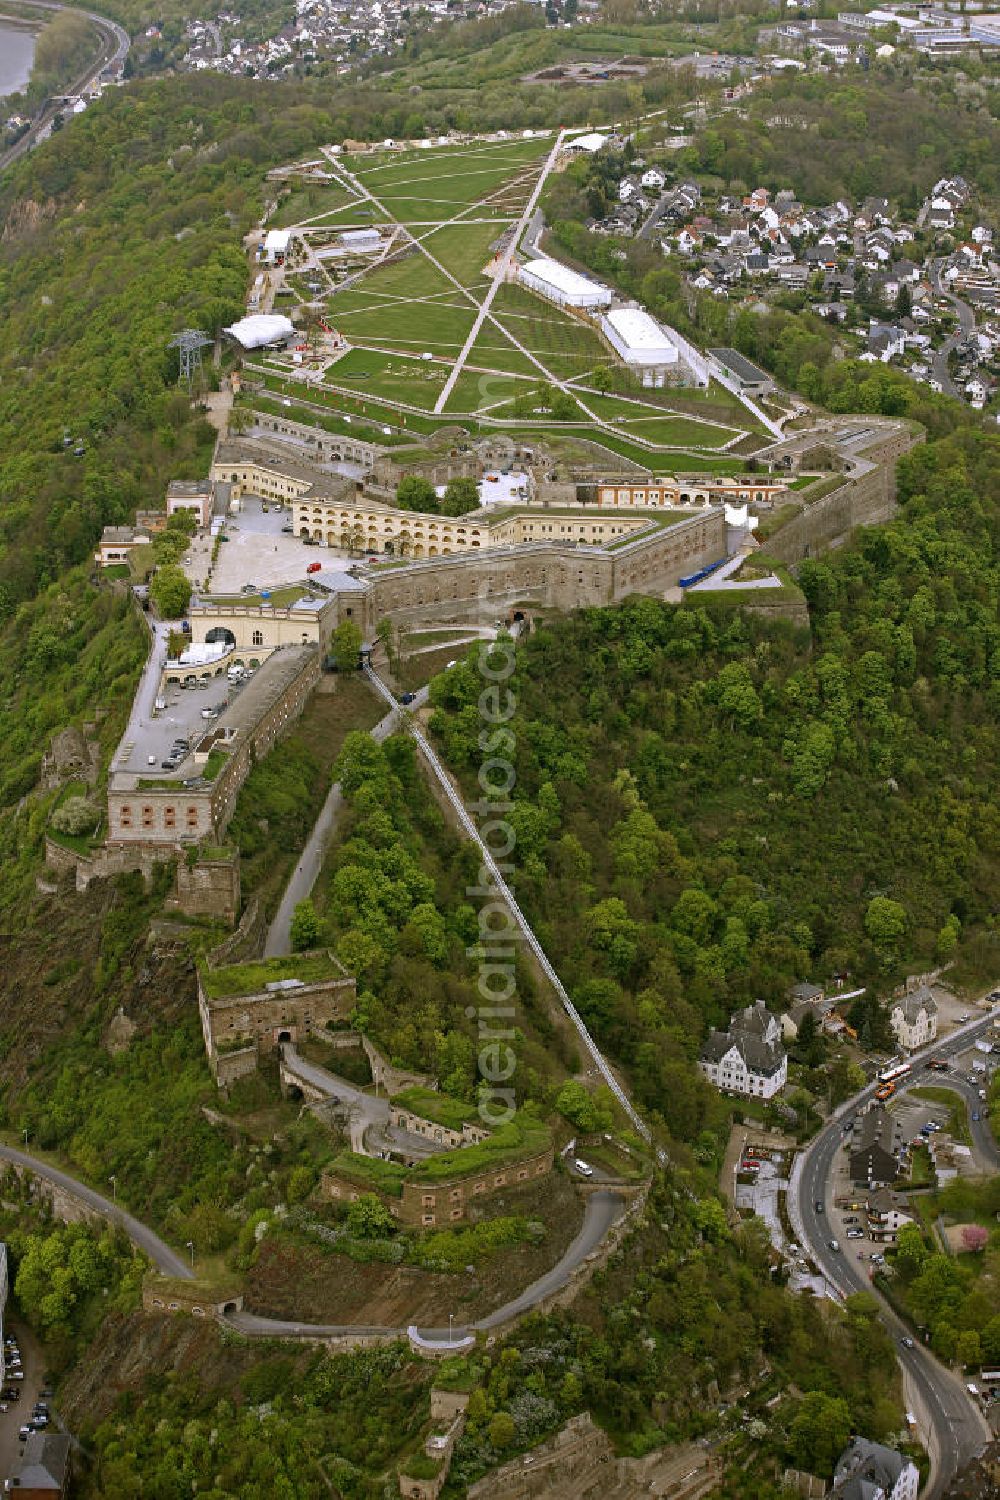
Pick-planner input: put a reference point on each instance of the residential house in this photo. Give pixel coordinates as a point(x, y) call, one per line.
point(914, 1018)
point(886, 1216)
point(653, 177)
point(42, 1472)
point(885, 341)
point(870, 1471)
point(116, 543)
point(941, 214)
point(794, 276)
point(839, 284)
point(749, 1057)
point(872, 1156)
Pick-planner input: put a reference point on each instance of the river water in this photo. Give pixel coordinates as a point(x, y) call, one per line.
point(17, 49)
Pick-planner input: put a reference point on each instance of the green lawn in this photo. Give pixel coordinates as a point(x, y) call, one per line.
point(357, 211)
point(565, 345)
point(435, 316)
point(369, 409)
point(659, 426)
point(492, 351)
point(249, 978)
point(439, 183)
point(440, 1108)
point(475, 389)
point(463, 249)
point(395, 376)
point(306, 415)
point(308, 202)
point(669, 463)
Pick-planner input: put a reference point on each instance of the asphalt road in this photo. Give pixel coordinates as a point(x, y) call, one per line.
point(165, 1259)
point(603, 1208)
point(114, 50)
point(967, 322)
point(957, 1428)
point(310, 861)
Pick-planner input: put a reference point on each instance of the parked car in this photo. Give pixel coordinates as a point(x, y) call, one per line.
point(314, 568)
point(584, 1169)
point(407, 697)
point(855, 1234)
point(834, 1244)
point(288, 528)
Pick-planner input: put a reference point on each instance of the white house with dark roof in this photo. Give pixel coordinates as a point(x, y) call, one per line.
point(870, 1471)
point(749, 1058)
point(914, 1018)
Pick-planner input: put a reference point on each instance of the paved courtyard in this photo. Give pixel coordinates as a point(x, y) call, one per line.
point(258, 552)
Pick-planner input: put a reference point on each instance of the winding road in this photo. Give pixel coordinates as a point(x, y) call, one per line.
point(967, 324)
point(167, 1261)
point(604, 1207)
point(955, 1428)
point(114, 50)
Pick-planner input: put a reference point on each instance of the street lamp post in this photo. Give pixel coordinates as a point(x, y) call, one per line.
point(450, 1318)
point(24, 1132)
point(190, 1246)
point(114, 1187)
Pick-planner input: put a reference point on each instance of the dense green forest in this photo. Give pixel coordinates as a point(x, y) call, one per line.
point(689, 1308)
point(708, 809)
point(879, 132)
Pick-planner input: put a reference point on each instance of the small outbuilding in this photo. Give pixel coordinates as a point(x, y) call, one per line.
point(276, 243)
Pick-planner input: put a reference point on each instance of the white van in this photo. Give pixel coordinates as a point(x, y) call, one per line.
point(583, 1168)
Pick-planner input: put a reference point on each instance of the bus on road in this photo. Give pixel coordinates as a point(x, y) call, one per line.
point(894, 1072)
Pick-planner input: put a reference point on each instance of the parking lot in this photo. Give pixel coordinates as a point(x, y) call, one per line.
point(150, 734)
point(18, 1412)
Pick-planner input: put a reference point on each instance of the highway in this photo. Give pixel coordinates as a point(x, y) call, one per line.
point(111, 58)
point(953, 1426)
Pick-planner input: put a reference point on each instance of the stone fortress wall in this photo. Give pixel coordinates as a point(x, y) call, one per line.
point(866, 498)
point(530, 557)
